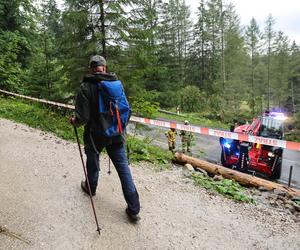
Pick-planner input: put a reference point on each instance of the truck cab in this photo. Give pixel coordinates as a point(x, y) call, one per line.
point(254, 157)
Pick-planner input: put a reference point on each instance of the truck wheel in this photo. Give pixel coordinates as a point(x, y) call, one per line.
point(277, 170)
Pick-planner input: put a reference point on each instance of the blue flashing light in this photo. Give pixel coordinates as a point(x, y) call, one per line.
point(277, 115)
point(237, 154)
point(226, 145)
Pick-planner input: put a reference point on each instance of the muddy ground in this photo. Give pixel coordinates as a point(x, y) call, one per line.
point(42, 204)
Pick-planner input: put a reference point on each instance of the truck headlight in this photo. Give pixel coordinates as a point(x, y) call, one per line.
point(271, 154)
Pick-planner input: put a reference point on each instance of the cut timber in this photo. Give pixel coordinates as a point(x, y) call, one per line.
point(242, 178)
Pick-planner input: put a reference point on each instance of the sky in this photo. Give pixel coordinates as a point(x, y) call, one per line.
point(285, 12)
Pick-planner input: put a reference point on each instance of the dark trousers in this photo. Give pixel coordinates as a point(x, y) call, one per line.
point(116, 152)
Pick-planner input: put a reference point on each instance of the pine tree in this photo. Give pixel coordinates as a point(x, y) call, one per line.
point(198, 57)
point(269, 38)
point(93, 27)
point(253, 38)
point(207, 47)
point(174, 38)
point(294, 78)
point(46, 76)
point(281, 69)
point(16, 26)
point(235, 61)
point(145, 69)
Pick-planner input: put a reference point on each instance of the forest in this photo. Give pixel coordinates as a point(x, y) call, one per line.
point(207, 63)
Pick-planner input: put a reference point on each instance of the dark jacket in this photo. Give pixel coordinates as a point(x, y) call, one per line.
point(86, 111)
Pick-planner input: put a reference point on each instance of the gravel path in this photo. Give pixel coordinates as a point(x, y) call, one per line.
point(41, 201)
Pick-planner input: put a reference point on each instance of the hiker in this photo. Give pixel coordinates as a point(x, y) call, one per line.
point(87, 114)
point(186, 138)
point(171, 135)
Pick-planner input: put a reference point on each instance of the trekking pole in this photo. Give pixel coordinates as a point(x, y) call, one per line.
point(87, 180)
point(109, 172)
point(128, 152)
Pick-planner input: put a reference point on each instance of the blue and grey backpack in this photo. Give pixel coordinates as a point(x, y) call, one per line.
point(114, 109)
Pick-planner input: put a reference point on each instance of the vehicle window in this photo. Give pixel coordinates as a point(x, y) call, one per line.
point(271, 128)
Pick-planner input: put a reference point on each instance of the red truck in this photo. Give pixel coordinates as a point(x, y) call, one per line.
point(253, 157)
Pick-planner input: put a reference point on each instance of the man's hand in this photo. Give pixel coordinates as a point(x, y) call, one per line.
point(72, 120)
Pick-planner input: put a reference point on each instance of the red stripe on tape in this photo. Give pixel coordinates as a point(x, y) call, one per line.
point(173, 125)
point(293, 145)
point(243, 137)
point(204, 131)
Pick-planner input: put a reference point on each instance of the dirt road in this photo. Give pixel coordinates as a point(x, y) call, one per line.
point(41, 201)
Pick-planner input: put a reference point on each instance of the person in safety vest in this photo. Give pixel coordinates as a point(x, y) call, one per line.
point(186, 138)
point(171, 135)
point(87, 114)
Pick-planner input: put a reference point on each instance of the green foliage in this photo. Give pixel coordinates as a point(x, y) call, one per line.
point(144, 108)
point(225, 187)
point(56, 122)
point(210, 67)
point(294, 134)
point(191, 99)
point(174, 36)
point(253, 39)
point(199, 119)
point(46, 73)
point(10, 67)
point(37, 116)
point(142, 150)
point(16, 30)
point(297, 120)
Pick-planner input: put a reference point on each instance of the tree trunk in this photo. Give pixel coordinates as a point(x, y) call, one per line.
point(102, 20)
point(242, 178)
point(222, 44)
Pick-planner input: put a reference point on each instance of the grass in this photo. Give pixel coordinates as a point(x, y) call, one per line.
point(141, 150)
point(38, 116)
point(228, 188)
point(292, 136)
point(55, 121)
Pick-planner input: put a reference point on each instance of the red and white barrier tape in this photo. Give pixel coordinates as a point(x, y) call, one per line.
point(220, 133)
point(39, 100)
point(199, 130)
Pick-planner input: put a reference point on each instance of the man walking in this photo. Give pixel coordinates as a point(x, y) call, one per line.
point(171, 135)
point(86, 113)
point(186, 138)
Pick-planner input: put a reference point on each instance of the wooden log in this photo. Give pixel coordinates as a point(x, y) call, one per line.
point(242, 178)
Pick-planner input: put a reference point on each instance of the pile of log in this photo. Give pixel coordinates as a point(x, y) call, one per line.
point(242, 178)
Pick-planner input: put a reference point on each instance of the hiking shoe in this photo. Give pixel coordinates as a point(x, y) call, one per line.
point(85, 189)
point(133, 218)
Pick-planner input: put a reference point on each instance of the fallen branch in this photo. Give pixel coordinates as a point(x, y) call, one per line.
point(242, 178)
point(5, 231)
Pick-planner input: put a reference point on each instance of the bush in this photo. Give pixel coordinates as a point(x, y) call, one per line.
point(144, 108)
point(192, 99)
point(169, 99)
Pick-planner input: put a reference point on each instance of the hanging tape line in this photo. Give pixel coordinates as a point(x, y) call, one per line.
point(195, 129)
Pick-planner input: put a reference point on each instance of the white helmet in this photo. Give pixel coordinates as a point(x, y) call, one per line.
point(186, 122)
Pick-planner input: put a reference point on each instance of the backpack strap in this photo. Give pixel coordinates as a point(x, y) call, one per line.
point(120, 130)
